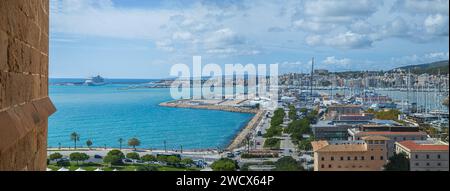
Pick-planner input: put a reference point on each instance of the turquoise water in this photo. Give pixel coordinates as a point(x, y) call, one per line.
point(106, 113)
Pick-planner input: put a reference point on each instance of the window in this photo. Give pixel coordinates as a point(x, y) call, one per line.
point(417, 156)
point(439, 164)
point(439, 156)
point(372, 158)
point(417, 164)
point(428, 156)
point(323, 158)
point(381, 158)
point(332, 158)
point(329, 166)
point(428, 164)
point(349, 158)
point(342, 158)
point(356, 158)
point(362, 157)
point(323, 166)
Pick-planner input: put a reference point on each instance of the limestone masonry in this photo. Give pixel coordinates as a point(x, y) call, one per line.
point(24, 102)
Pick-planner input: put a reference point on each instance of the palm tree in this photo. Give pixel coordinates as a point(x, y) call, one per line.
point(75, 137)
point(89, 143)
point(120, 143)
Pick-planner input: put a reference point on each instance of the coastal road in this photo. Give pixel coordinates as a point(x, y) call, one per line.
point(200, 155)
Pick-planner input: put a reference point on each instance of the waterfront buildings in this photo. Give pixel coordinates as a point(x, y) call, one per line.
point(393, 137)
point(368, 154)
point(428, 155)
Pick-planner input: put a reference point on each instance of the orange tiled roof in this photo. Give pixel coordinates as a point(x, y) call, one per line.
point(414, 146)
point(324, 146)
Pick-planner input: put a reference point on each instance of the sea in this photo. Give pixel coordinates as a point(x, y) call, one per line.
point(105, 114)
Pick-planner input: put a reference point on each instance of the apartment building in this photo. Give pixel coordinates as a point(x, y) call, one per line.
point(428, 155)
point(368, 154)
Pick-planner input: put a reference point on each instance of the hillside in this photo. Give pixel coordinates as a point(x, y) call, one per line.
point(430, 68)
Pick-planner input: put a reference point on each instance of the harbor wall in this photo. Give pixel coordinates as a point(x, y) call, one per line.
point(239, 139)
point(24, 102)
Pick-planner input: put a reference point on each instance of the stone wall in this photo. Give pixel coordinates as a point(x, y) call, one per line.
point(24, 102)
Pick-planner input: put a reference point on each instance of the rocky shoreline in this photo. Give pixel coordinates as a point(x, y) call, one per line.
point(239, 139)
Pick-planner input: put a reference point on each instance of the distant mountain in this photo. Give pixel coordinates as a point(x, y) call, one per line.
point(430, 68)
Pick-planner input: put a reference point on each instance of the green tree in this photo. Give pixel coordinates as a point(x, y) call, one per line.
point(55, 156)
point(173, 160)
point(398, 162)
point(224, 164)
point(161, 158)
point(114, 157)
point(292, 112)
point(120, 143)
point(76, 156)
point(305, 144)
point(133, 155)
point(148, 158)
point(287, 163)
point(187, 161)
point(272, 143)
point(75, 137)
point(89, 143)
point(134, 142)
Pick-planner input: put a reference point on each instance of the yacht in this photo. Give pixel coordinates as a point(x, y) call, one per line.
point(95, 81)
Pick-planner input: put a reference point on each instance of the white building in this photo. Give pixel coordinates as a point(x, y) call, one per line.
point(429, 155)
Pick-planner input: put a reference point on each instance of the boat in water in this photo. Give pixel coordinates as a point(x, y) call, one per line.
point(95, 81)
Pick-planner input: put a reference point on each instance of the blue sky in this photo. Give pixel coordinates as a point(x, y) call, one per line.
point(143, 39)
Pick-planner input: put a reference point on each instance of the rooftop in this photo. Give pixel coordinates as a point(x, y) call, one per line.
point(428, 145)
point(390, 133)
point(339, 146)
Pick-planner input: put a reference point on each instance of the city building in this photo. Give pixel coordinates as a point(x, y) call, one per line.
point(393, 137)
point(338, 129)
point(428, 155)
point(368, 154)
point(335, 111)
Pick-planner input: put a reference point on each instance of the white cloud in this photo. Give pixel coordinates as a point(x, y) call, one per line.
point(420, 59)
point(437, 24)
point(101, 18)
point(347, 40)
point(422, 6)
point(181, 36)
point(333, 61)
point(238, 28)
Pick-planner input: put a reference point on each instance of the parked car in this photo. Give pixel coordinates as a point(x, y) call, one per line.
point(98, 157)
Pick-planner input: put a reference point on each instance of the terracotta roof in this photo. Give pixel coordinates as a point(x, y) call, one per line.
point(415, 146)
point(324, 146)
point(318, 144)
point(390, 133)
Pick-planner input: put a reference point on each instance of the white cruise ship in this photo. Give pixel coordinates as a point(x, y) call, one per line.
point(95, 81)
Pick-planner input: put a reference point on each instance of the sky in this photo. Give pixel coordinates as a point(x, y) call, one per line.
point(144, 39)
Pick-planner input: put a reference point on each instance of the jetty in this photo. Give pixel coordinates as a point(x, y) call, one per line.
point(223, 105)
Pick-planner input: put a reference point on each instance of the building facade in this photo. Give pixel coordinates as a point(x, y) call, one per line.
point(429, 155)
point(391, 135)
point(24, 102)
point(368, 154)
